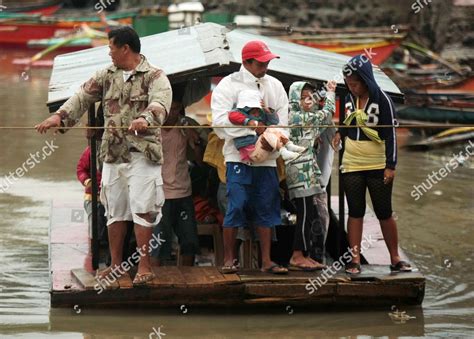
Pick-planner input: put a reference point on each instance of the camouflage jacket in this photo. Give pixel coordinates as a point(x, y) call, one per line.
point(303, 175)
point(146, 93)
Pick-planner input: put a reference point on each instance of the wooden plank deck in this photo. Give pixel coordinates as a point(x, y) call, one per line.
point(74, 284)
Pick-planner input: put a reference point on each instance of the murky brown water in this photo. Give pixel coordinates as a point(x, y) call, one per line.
point(436, 232)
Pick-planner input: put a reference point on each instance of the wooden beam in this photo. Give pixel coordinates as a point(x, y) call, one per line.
point(86, 279)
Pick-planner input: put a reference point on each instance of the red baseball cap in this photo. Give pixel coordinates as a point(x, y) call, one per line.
point(257, 50)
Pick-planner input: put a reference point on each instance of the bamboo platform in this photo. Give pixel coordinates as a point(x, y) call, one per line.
point(72, 284)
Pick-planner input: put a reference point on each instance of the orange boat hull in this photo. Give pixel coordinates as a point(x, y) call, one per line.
point(466, 86)
point(50, 10)
point(42, 7)
point(379, 52)
point(18, 34)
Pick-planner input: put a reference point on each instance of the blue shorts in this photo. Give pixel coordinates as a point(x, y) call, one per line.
point(253, 195)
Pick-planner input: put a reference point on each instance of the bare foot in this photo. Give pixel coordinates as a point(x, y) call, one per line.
point(316, 263)
point(302, 262)
point(112, 272)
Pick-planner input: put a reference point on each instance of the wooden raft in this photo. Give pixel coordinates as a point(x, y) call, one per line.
point(173, 286)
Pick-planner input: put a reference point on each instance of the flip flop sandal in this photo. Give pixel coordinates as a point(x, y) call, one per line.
point(143, 279)
point(275, 269)
point(353, 266)
point(301, 268)
point(229, 269)
point(401, 266)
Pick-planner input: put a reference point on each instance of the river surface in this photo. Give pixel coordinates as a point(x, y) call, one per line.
point(436, 232)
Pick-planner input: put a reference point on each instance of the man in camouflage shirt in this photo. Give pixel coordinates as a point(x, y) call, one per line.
point(134, 94)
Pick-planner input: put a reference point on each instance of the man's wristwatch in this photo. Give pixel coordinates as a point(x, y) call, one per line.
point(148, 119)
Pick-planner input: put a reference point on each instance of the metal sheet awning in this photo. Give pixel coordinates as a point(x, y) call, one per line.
point(208, 50)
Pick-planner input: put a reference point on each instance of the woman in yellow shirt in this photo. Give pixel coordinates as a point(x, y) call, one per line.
point(369, 159)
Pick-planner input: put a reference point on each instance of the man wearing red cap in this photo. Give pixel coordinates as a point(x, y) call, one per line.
point(252, 189)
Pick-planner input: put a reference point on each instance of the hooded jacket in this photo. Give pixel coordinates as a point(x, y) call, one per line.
point(303, 174)
point(379, 108)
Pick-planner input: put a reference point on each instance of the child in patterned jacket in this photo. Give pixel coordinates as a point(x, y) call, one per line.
point(303, 175)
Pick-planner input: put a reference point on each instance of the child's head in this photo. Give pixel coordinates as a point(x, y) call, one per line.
point(307, 100)
point(250, 100)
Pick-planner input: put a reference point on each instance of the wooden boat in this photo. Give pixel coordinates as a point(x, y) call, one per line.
point(17, 30)
point(70, 46)
point(381, 49)
point(380, 41)
point(438, 92)
point(40, 7)
point(84, 37)
point(462, 86)
point(444, 138)
point(412, 72)
point(174, 286)
point(437, 114)
point(214, 53)
point(439, 106)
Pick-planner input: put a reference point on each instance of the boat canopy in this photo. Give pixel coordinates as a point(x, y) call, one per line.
point(207, 50)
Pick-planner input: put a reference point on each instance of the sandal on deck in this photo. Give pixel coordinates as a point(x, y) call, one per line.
point(401, 266)
point(353, 266)
point(301, 268)
point(229, 269)
point(275, 269)
point(142, 279)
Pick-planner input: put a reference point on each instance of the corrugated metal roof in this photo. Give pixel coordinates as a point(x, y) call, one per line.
point(206, 49)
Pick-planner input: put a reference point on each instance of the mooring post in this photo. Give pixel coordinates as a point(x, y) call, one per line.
point(95, 189)
point(341, 233)
point(328, 193)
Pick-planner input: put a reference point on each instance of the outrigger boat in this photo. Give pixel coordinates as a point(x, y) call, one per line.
point(381, 41)
point(437, 90)
point(210, 50)
point(41, 7)
point(421, 69)
point(444, 138)
point(18, 29)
